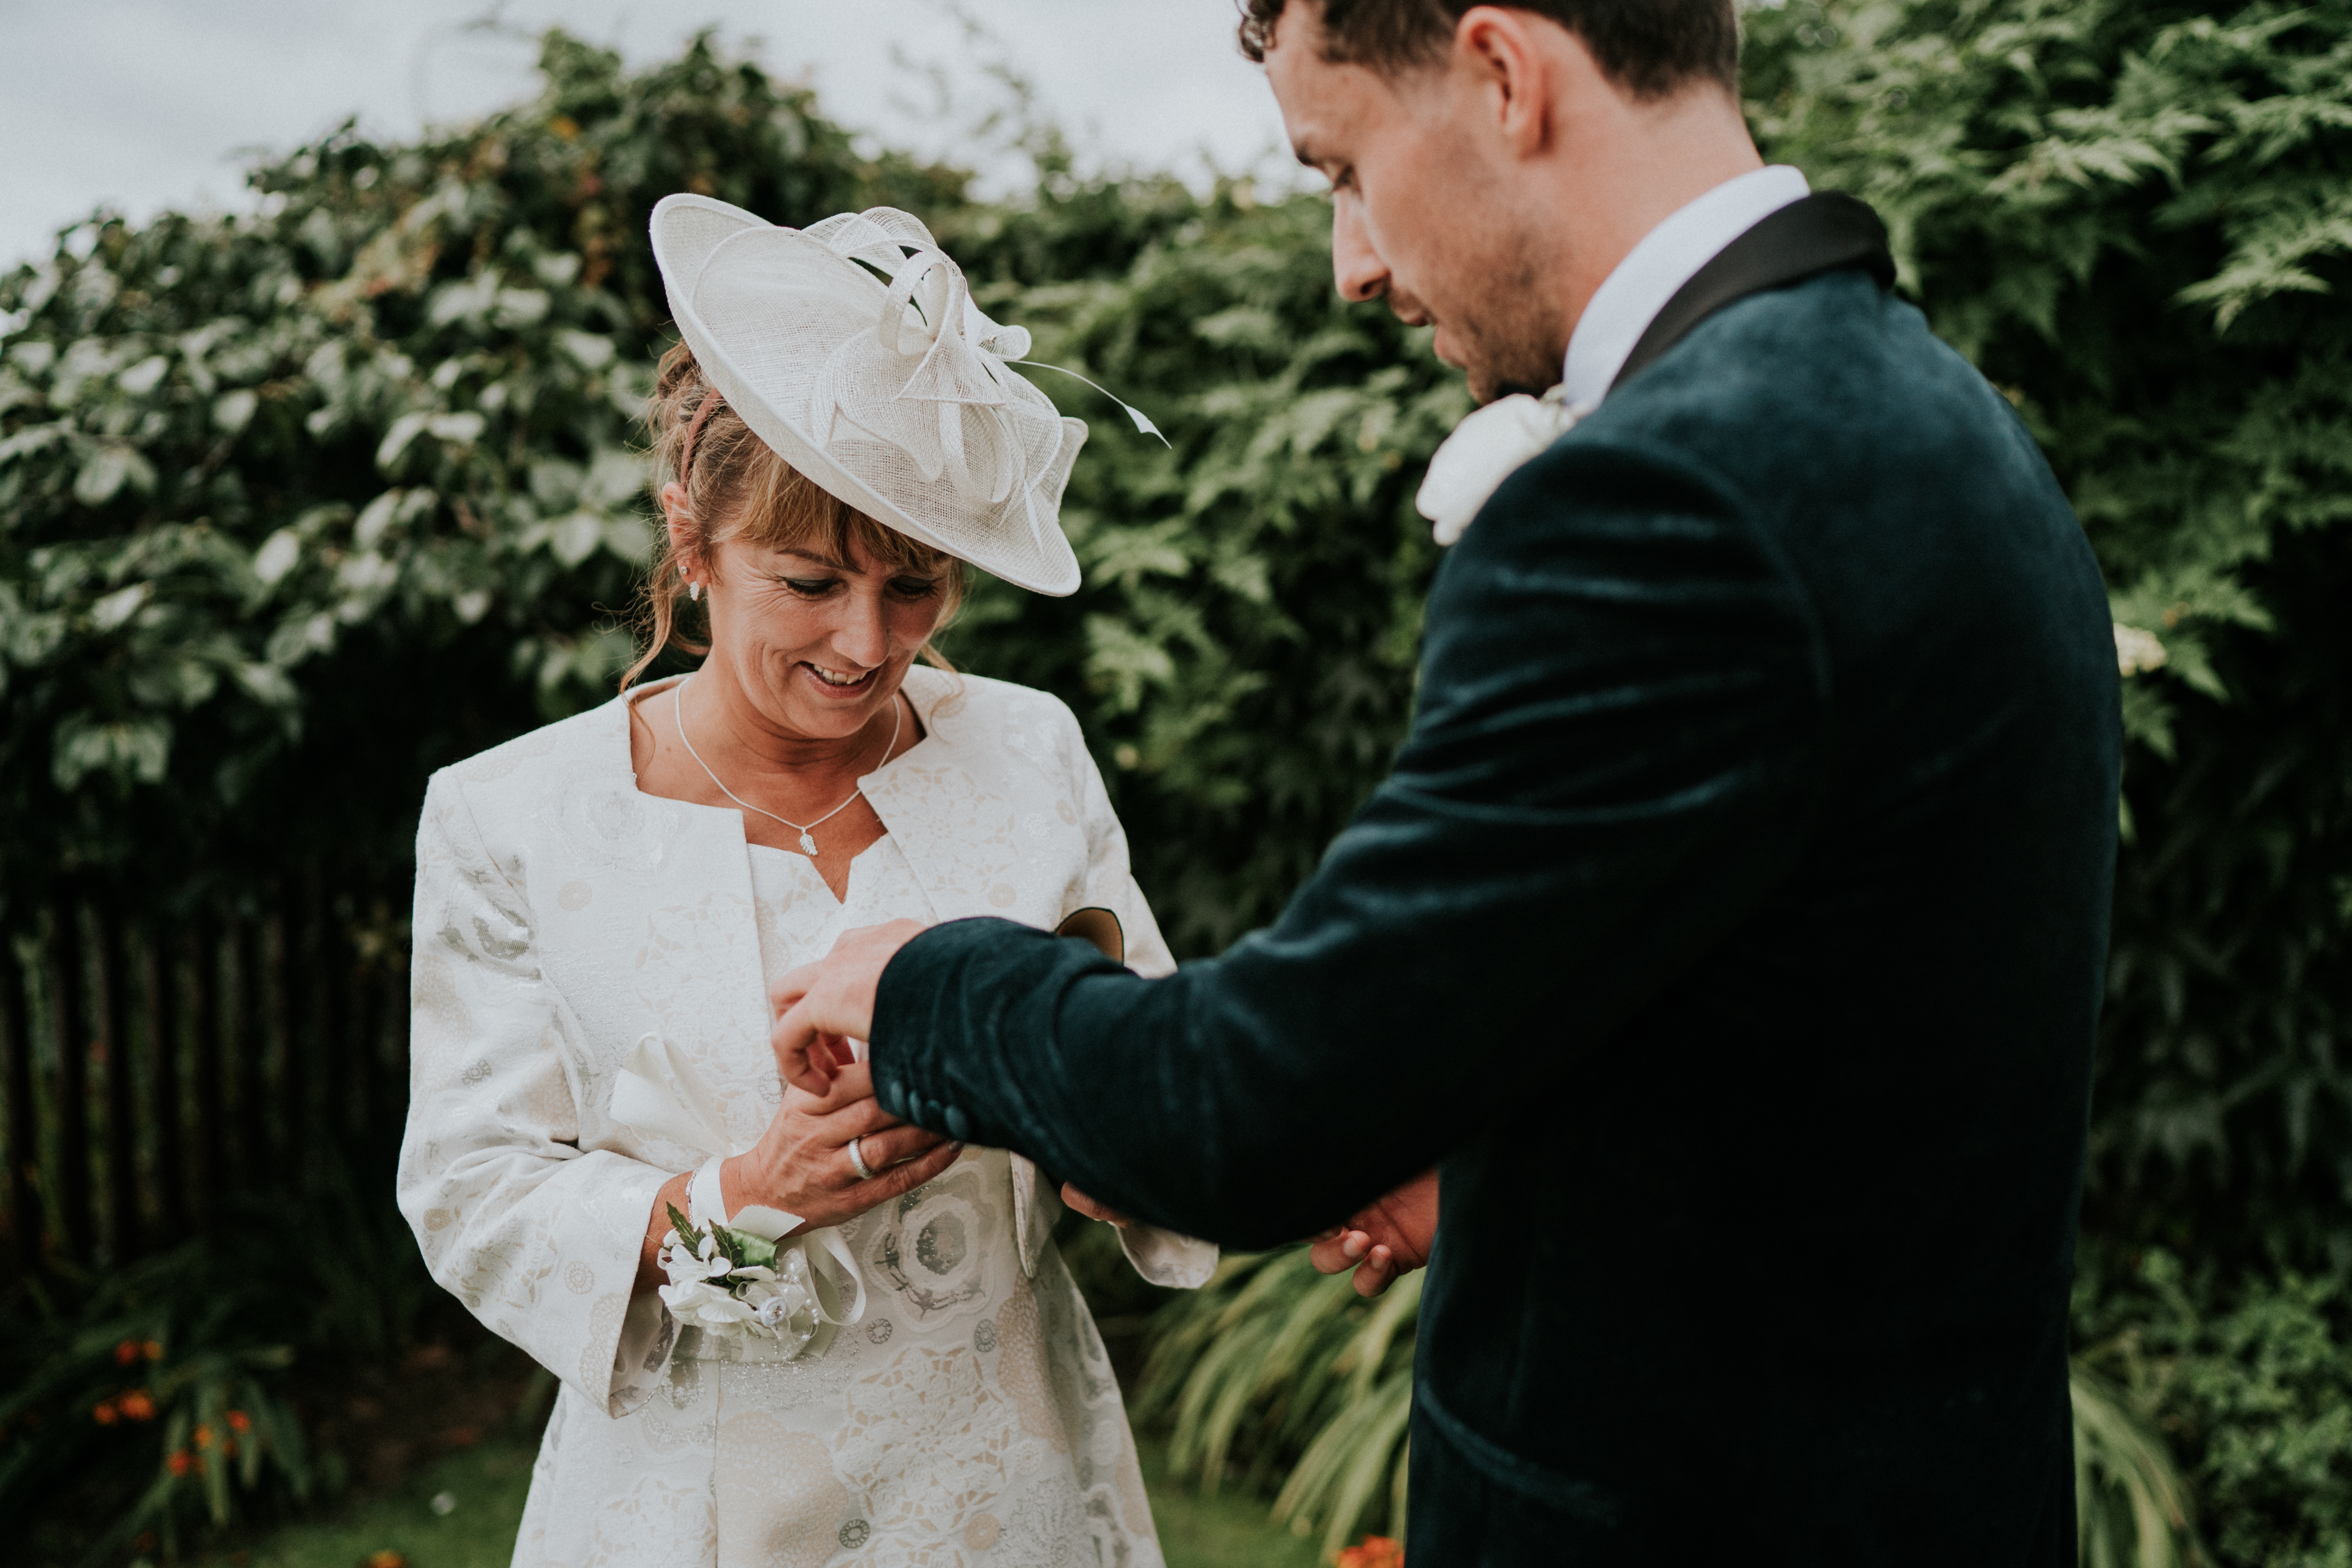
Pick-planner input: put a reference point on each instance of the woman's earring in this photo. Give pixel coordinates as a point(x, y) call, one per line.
point(694, 592)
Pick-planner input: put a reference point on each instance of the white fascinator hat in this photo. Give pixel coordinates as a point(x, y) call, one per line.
point(853, 349)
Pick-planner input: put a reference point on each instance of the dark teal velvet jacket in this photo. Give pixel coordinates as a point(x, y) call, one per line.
point(1731, 929)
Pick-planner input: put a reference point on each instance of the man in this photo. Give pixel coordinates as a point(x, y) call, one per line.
point(1731, 929)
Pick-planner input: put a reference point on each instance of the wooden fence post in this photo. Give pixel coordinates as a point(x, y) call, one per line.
point(285, 993)
point(160, 976)
point(69, 1017)
point(247, 1042)
point(204, 1006)
point(24, 1146)
point(120, 1229)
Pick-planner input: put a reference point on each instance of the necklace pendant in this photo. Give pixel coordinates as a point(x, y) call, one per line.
point(808, 844)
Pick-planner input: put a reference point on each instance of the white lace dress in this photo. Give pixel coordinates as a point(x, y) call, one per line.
point(969, 1418)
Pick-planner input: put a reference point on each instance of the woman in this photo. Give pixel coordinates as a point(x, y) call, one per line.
point(601, 903)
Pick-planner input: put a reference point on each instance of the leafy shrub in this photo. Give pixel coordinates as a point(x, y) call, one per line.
point(156, 1382)
point(1273, 1370)
point(2135, 218)
point(300, 506)
point(2249, 1373)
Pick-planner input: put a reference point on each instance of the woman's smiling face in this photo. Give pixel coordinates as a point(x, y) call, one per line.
point(816, 645)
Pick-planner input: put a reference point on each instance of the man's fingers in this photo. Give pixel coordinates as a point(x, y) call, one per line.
point(899, 1143)
point(1340, 1251)
point(852, 1086)
point(803, 1053)
point(1376, 1273)
point(906, 1178)
point(1090, 1208)
point(795, 985)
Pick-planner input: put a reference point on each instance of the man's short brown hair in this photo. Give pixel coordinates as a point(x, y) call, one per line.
point(1651, 47)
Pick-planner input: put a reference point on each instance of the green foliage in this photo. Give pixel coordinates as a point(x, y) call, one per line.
point(161, 1380)
point(2249, 1372)
point(2131, 1507)
point(1272, 1369)
point(360, 472)
point(2135, 218)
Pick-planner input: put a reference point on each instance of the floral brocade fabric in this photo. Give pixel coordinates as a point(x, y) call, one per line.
point(968, 1418)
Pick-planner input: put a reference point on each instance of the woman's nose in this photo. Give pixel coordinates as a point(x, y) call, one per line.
point(1356, 267)
point(863, 633)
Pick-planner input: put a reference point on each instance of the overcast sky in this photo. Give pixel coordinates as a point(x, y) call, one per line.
point(148, 104)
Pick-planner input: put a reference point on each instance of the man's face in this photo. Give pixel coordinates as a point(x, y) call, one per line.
point(1423, 209)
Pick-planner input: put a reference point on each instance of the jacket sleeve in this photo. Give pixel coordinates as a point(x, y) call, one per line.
point(1622, 725)
point(537, 1238)
point(1164, 1257)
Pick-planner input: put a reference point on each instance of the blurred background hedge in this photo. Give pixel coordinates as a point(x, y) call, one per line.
point(296, 507)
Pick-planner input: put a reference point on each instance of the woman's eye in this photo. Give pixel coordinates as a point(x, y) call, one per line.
point(915, 588)
point(810, 586)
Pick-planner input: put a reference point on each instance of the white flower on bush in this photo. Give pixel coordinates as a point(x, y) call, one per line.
point(1486, 449)
point(2138, 652)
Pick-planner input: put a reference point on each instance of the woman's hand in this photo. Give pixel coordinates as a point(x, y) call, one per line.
point(801, 1164)
point(1389, 1237)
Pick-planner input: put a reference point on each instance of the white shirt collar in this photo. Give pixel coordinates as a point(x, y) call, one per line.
point(1630, 298)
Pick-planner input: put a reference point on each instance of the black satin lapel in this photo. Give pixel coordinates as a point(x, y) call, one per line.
point(1822, 233)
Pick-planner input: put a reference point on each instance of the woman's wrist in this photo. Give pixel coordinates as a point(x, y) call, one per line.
point(746, 1183)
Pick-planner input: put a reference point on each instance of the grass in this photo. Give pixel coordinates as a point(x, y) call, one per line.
point(485, 1488)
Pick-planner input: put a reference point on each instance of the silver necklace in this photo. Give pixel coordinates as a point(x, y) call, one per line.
point(808, 837)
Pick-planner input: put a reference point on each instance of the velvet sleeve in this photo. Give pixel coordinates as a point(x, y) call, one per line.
point(1623, 725)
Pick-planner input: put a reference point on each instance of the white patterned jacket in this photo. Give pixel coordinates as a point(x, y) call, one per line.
point(562, 914)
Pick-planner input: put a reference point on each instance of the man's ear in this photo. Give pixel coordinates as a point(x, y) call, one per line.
point(1507, 53)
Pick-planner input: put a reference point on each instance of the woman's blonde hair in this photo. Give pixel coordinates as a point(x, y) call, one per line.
point(738, 488)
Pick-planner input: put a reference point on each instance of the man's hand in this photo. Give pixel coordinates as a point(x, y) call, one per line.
point(1093, 1210)
point(1388, 1237)
point(821, 1008)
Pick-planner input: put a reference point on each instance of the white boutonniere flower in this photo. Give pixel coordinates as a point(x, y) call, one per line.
point(1486, 449)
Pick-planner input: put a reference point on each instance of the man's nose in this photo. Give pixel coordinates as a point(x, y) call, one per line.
point(1356, 267)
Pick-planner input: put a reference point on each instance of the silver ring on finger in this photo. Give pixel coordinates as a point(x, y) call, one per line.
point(858, 1160)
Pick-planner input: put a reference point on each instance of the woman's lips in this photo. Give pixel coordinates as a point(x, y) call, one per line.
point(858, 687)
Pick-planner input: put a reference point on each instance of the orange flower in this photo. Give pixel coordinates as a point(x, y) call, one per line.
point(104, 1413)
point(137, 1406)
point(387, 1559)
point(203, 1437)
point(126, 1352)
point(238, 1421)
point(178, 1463)
point(1373, 1552)
point(153, 1350)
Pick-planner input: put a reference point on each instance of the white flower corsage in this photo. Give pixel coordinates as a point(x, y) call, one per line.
point(1486, 449)
point(732, 1284)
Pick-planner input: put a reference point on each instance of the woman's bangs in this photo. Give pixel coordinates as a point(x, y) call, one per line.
point(794, 512)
